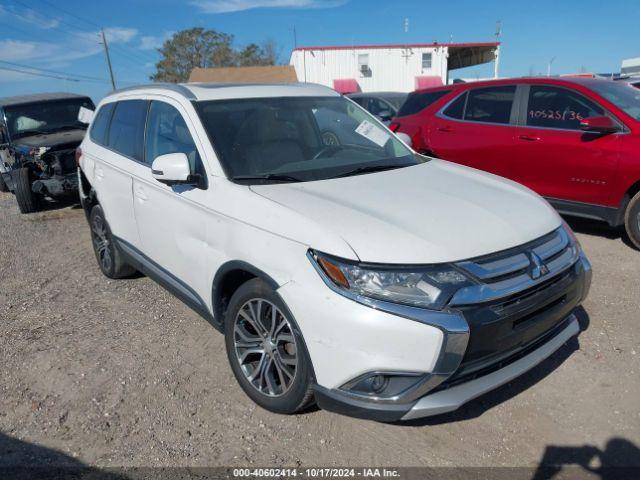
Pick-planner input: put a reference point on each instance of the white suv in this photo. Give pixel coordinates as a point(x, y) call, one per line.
point(341, 265)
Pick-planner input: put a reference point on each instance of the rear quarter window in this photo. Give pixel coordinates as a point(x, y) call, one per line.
point(100, 126)
point(456, 108)
point(419, 101)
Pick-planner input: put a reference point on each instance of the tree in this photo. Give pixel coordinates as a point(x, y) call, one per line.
point(254, 54)
point(192, 48)
point(197, 47)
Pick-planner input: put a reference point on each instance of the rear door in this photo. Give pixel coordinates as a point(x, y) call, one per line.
point(553, 156)
point(117, 136)
point(477, 129)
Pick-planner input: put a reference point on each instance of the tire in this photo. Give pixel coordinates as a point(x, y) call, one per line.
point(28, 201)
point(109, 257)
point(278, 361)
point(632, 220)
point(3, 186)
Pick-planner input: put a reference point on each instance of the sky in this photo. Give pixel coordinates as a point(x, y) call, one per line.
point(61, 37)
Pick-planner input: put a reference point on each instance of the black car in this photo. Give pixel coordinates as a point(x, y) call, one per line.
point(38, 137)
point(384, 105)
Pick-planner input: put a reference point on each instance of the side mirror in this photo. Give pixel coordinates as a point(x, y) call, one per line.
point(3, 136)
point(172, 169)
point(385, 115)
point(405, 138)
point(601, 124)
point(85, 115)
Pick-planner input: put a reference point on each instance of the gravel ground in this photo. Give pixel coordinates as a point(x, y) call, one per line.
point(120, 373)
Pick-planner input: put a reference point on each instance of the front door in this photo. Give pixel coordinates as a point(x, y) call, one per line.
point(554, 157)
point(173, 221)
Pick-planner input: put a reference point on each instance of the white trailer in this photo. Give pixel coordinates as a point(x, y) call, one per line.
point(400, 68)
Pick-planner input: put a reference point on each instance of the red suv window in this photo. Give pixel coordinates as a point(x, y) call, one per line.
point(490, 105)
point(555, 107)
point(418, 101)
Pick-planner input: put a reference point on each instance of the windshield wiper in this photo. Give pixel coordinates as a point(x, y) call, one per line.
point(268, 176)
point(369, 169)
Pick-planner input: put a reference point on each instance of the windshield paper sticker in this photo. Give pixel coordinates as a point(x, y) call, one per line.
point(369, 131)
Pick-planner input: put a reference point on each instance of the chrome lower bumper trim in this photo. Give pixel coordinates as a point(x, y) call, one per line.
point(452, 398)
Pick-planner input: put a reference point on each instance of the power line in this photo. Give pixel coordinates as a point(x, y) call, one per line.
point(136, 55)
point(54, 72)
point(132, 57)
point(41, 74)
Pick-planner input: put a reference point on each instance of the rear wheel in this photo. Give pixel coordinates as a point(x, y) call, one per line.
point(28, 201)
point(632, 220)
point(109, 257)
point(3, 186)
point(266, 351)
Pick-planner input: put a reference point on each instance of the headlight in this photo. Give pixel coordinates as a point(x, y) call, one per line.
point(426, 287)
point(572, 236)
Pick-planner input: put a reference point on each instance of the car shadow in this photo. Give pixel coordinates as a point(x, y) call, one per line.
point(620, 459)
point(489, 400)
point(25, 460)
point(598, 228)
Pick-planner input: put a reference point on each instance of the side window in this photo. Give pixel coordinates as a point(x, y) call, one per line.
point(419, 101)
point(456, 108)
point(126, 134)
point(426, 61)
point(556, 107)
point(491, 105)
point(376, 106)
point(167, 132)
point(101, 124)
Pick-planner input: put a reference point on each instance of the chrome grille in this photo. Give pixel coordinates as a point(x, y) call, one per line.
point(517, 269)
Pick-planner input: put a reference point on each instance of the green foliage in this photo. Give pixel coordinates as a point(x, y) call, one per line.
point(197, 47)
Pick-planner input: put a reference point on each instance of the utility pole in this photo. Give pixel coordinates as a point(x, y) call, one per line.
point(549, 66)
point(106, 52)
point(295, 37)
point(496, 66)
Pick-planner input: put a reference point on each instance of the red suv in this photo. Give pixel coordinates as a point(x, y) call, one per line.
point(575, 141)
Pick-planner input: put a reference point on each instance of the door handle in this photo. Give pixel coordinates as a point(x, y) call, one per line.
point(445, 129)
point(529, 138)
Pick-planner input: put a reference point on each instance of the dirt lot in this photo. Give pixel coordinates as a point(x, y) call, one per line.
point(115, 373)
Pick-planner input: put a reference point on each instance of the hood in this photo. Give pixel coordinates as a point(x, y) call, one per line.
point(67, 138)
point(429, 213)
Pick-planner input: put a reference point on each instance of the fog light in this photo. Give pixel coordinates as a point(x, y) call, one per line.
point(383, 385)
point(379, 383)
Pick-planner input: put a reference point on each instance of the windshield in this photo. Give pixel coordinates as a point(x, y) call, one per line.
point(45, 117)
point(622, 95)
point(299, 139)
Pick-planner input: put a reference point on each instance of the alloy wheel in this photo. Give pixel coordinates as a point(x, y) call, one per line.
point(101, 242)
point(265, 347)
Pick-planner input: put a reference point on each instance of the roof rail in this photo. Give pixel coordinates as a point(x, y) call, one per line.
point(174, 87)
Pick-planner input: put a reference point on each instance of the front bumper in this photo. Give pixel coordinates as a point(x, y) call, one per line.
point(54, 186)
point(533, 324)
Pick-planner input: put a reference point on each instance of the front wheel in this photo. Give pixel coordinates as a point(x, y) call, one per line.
point(632, 220)
point(266, 350)
point(3, 186)
point(28, 201)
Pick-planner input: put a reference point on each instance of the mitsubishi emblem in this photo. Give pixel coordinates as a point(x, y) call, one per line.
point(538, 268)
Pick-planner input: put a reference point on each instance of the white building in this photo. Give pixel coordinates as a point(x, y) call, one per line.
point(630, 66)
point(400, 68)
